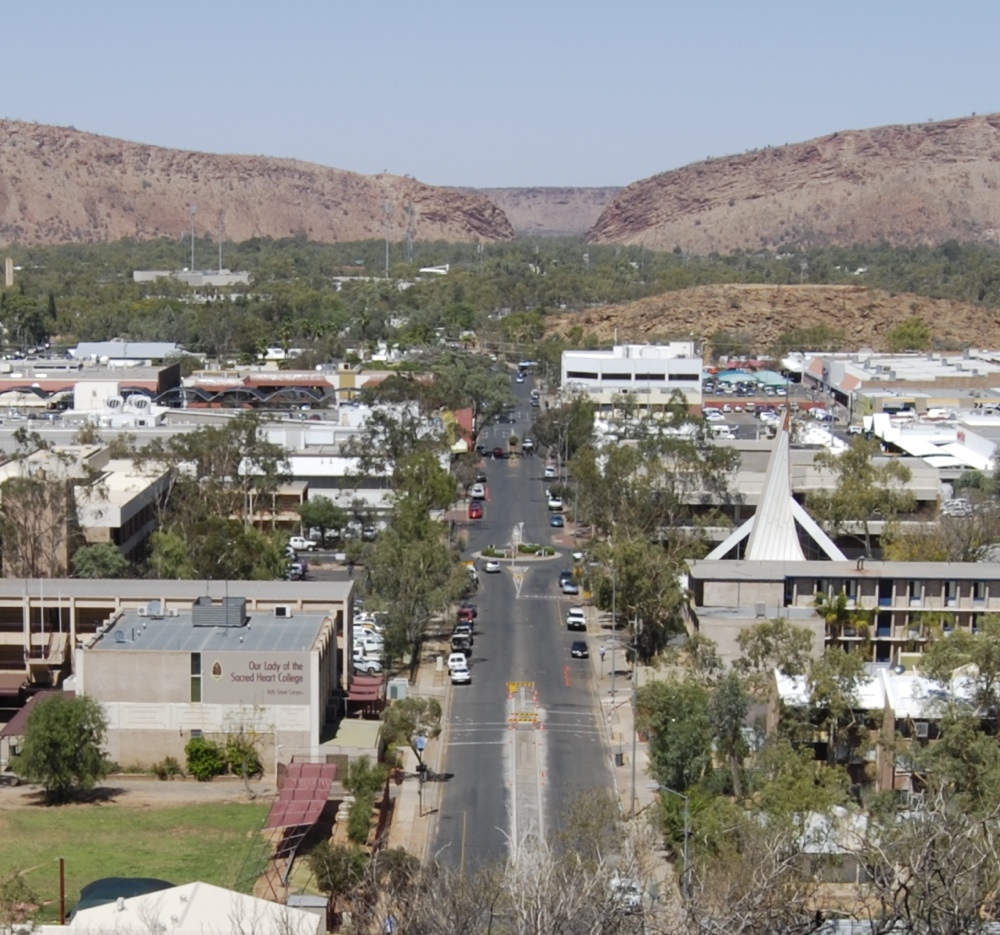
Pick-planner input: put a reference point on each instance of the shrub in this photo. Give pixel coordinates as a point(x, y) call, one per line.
point(205, 758)
point(167, 768)
point(529, 548)
point(365, 780)
point(242, 758)
point(359, 819)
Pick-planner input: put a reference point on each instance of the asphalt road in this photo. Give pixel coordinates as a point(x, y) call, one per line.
point(505, 782)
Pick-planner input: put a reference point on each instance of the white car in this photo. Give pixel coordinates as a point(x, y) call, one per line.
point(366, 665)
point(461, 676)
point(555, 503)
point(957, 507)
point(713, 415)
point(550, 472)
point(478, 492)
point(301, 544)
point(368, 643)
point(492, 566)
point(576, 619)
point(457, 661)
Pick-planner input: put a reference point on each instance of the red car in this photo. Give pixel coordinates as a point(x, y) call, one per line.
point(476, 509)
point(499, 454)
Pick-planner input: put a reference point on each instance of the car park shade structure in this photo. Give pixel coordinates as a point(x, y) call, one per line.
point(303, 795)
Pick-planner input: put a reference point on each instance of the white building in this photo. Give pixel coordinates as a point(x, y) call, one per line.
point(650, 373)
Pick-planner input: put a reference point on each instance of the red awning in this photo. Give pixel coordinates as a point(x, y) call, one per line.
point(303, 795)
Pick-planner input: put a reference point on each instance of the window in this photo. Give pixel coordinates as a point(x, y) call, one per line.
point(915, 591)
point(979, 590)
point(951, 593)
point(624, 377)
point(822, 587)
point(195, 677)
point(651, 376)
point(685, 377)
point(580, 375)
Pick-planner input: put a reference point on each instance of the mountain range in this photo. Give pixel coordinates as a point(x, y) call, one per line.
point(914, 184)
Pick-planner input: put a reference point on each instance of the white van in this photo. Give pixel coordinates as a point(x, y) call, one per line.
point(722, 431)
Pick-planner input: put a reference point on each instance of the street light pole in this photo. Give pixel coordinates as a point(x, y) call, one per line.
point(687, 837)
point(614, 630)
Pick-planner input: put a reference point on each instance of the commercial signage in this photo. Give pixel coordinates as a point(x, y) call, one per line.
point(255, 678)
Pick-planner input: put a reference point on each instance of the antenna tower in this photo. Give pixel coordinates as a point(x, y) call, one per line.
point(410, 230)
point(194, 210)
point(387, 211)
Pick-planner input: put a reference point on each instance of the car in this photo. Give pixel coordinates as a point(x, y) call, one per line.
point(460, 643)
point(492, 566)
point(555, 503)
point(557, 520)
point(519, 378)
point(296, 571)
point(366, 665)
point(469, 608)
point(579, 650)
point(550, 472)
point(476, 509)
point(535, 402)
point(727, 408)
point(713, 415)
point(461, 676)
point(506, 418)
point(566, 575)
point(528, 446)
point(482, 450)
point(301, 544)
point(957, 507)
point(478, 491)
point(481, 478)
point(457, 661)
point(368, 643)
point(499, 454)
point(855, 430)
point(369, 534)
point(575, 619)
point(465, 615)
point(569, 587)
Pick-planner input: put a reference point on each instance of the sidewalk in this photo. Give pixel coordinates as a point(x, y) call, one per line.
point(628, 753)
point(416, 807)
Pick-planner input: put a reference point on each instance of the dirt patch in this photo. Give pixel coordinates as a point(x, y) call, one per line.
point(133, 792)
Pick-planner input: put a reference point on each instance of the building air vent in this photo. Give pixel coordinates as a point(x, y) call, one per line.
point(230, 612)
point(283, 610)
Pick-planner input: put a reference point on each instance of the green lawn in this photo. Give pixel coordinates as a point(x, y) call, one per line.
point(180, 844)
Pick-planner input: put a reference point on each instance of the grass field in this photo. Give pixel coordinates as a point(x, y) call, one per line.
point(181, 844)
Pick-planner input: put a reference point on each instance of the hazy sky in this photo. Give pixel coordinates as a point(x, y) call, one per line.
point(511, 93)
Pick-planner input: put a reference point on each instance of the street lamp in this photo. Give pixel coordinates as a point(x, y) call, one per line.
point(685, 883)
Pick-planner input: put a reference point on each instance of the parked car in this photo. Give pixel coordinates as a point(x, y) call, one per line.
point(457, 661)
point(492, 566)
point(550, 472)
point(579, 650)
point(366, 665)
point(575, 619)
point(855, 430)
point(570, 587)
point(555, 503)
point(557, 520)
point(461, 676)
point(461, 644)
point(476, 509)
point(301, 544)
point(566, 575)
point(957, 507)
point(470, 609)
point(478, 491)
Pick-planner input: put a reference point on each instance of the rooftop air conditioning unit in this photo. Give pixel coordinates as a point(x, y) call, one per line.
point(283, 610)
point(173, 612)
point(398, 689)
point(142, 612)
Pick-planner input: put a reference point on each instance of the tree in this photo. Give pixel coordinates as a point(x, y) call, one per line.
point(978, 655)
point(863, 491)
point(34, 515)
point(769, 645)
point(323, 514)
point(404, 721)
point(675, 714)
point(102, 560)
point(914, 334)
point(62, 747)
point(566, 428)
point(728, 708)
point(833, 681)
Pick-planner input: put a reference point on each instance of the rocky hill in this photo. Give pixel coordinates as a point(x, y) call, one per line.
point(862, 316)
point(547, 212)
point(58, 185)
point(916, 184)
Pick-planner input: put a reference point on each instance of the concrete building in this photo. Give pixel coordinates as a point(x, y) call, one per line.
point(647, 374)
point(779, 562)
point(44, 622)
point(212, 667)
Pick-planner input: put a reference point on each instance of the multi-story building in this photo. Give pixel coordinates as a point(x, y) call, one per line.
point(648, 374)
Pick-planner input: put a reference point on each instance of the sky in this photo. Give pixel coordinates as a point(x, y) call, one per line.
point(511, 94)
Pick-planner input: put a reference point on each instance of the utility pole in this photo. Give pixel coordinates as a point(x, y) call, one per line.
point(194, 210)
